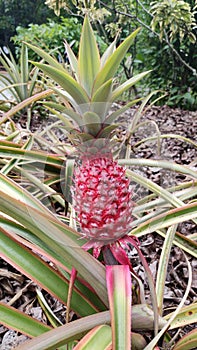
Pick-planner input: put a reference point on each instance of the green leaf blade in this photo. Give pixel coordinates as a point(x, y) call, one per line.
point(25, 324)
point(99, 338)
point(65, 81)
point(125, 86)
point(119, 292)
point(187, 315)
point(66, 333)
point(187, 342)
point(89, 58)
point(45, 227)
point(37, 270)
point(110, 67)
point(49, 59)
point(171, 217)
point(72, 59)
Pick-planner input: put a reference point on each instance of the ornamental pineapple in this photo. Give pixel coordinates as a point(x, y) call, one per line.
point(101, 193)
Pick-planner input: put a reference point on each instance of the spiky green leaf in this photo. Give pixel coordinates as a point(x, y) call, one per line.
point(118, 279)
point(25, 324)
point(108, 52)
point(114, 115)
point(89, 58)
point(65, 81)
point(48, 58)
point(73, 60)
point(110, 68)
point(125, 86)
point(99, 338)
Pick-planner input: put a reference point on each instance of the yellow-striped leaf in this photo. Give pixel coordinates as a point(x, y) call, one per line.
point(89, 58)
point(65, 81)
point(110, 68)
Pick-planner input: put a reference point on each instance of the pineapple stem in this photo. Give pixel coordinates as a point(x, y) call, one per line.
point(109, 259)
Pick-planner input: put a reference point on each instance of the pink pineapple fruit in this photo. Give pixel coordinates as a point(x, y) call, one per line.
point(102, 197)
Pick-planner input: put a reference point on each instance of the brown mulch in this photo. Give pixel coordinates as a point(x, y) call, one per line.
point(169, 121)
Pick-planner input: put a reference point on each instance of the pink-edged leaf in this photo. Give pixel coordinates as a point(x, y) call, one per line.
point(118, 279)
point(31, 265)
point(188, 341)
point(65, 334)
point(99, 338)
point(70, 291)
point(47, 228)
point(25, 103)
point(132, 240)
point(15, 319)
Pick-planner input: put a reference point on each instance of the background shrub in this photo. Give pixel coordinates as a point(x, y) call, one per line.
point(50, 36)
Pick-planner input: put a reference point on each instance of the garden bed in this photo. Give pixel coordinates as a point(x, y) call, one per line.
point(170, 121)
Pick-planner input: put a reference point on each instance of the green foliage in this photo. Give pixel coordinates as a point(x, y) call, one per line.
point(168, 74)
point(172, 59)
point(175, 17)
point(18, 81)
point(167, 43)
point(31, 230)
point(56, 6)
point(51, 37)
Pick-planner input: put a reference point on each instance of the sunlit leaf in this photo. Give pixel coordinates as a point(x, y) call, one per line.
point(125, 86)
point(118, 279)
point(65, 81)
point(89, 58)
point(25, 324)
point(111, 65)
point(187, 342)
point(99, 338)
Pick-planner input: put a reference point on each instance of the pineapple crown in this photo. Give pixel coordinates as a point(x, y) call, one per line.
point(88, 91)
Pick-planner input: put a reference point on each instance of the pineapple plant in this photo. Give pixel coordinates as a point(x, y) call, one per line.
point(102, 197)
point(101, 193)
